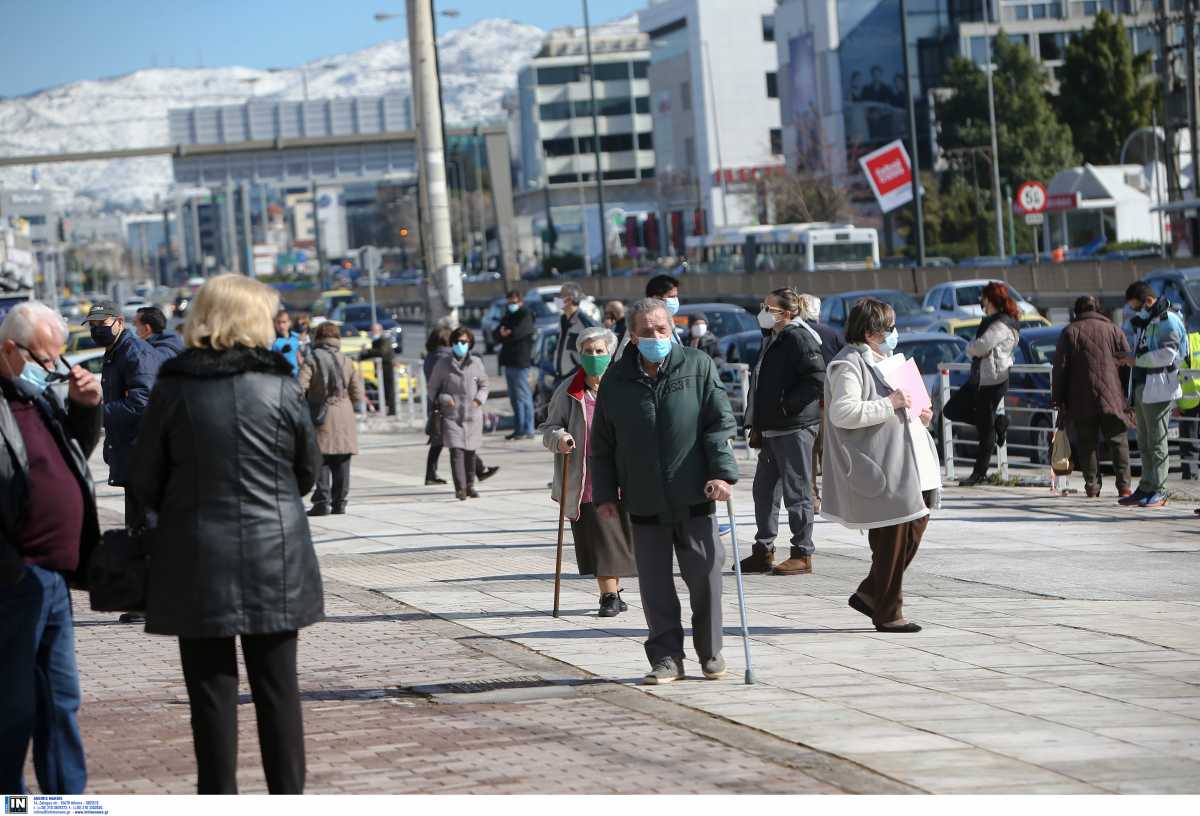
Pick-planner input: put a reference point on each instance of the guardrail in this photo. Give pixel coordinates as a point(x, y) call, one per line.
point(736, 379)
point(1033, 453)
point(411, 395)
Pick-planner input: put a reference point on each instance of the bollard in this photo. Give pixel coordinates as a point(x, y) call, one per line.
point(947, 430)
point(1002, 450)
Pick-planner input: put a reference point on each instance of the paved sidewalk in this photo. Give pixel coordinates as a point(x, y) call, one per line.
point(1061, 654)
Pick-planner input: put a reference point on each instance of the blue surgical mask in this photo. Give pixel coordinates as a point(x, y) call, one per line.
point(672, 305)
point(513, 307)
point(654, 349)
point(892, 340)
point(460, 349)
point(1144, 314)
point(34, 379)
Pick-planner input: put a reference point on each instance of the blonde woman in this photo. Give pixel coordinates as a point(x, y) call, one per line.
point(226, 453)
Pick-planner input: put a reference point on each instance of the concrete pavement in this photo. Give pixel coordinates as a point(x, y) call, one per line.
point(1061, 651)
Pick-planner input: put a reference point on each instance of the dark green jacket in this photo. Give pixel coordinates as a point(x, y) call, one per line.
point(660, 440)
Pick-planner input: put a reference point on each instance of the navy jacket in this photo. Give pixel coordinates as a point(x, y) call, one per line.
point(130, 368)
point(167, 344)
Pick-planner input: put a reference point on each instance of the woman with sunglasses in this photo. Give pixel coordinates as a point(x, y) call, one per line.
point(991, 354)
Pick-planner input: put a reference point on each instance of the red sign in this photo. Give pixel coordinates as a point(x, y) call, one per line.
point(1058, 202)
point(1031, 198)
point(890, 175)
point(742, 175)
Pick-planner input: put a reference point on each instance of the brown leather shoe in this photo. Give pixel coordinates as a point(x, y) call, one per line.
point(796, 565)
point(758, 561)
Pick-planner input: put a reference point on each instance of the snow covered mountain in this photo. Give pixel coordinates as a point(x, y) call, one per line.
point(479, 63)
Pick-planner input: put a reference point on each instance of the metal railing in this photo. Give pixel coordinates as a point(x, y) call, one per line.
point(735, 377)
point(1038, 424)
point(411, 391)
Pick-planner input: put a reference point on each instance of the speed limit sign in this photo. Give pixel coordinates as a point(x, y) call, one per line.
point(1031, 198)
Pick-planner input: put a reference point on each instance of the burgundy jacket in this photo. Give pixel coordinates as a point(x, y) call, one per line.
point(1087, 377)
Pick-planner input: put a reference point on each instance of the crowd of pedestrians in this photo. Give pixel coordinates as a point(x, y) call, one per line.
point(217, 437)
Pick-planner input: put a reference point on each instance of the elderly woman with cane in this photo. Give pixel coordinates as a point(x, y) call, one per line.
point(603, 546)
point(881, 471)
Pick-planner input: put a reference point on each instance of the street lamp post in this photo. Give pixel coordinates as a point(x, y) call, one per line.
point(712, 96)
point(587, 36)
point(912, 130)
point(987, 41)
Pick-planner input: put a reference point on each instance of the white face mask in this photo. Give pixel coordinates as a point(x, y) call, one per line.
point(766, 320)
point(699, 329)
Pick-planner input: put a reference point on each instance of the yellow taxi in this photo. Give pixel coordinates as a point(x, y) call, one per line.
point(79, 338)
point(353, 345)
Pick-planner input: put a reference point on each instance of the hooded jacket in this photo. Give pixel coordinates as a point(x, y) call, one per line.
point(993, 348)
point(130, 366)
point(656, 442)
point(226, 454)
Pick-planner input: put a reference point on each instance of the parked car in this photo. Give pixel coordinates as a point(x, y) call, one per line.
point(960, 299)
point(330, 299)
point(930, 351)
point(966, 327)
point(723, 318)
point(910, 317)
point(357, 317)
point(547, 294)
point(742, 347)
point(490, 322)
point(1182, 288)
point(986, 260)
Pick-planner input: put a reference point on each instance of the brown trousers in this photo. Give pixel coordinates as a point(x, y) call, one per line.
point(892, 550)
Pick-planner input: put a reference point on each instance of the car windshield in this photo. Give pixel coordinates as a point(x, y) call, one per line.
point(930, 354)
point(901, 303)
point(971, 295)
point(722, 323)
point(1043, 349)
point(360, 313)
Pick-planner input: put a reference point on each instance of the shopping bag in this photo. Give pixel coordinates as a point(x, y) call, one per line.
point(1060, 453)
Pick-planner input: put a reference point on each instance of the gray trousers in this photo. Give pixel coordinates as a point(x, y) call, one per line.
point(701, 557)
point(785, 472)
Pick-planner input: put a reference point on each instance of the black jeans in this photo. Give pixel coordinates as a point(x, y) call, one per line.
point(211, 674)
point(987, 398)
point(335, 469)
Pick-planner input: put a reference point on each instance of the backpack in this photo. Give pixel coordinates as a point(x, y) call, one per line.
point(335, 388)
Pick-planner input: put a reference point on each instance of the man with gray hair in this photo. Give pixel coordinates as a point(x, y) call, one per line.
point(573, 321)
point(831, 338)
point(660, 447)
point(48, 527)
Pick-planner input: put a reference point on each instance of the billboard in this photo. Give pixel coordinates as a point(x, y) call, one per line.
point(889, 172)
point(874, 88)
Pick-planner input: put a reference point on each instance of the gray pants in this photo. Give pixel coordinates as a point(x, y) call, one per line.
point(784, 472)
point(701, 557)
point(1153, 425)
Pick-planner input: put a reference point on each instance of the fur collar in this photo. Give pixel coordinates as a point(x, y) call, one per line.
point(206, 362)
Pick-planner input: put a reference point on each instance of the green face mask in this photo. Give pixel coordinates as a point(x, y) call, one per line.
point(595, 365)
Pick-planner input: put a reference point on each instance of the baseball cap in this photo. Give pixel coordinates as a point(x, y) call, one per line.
point(102, 311)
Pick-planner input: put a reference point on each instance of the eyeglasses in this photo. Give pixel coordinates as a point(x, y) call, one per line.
point(889, 329)
point(775, 310)
point(51, 365)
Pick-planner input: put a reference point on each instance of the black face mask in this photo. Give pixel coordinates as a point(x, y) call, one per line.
point(103, 335)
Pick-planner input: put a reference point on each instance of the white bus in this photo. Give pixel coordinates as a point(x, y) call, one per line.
point(786, 248)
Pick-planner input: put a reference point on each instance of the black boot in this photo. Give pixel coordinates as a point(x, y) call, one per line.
point(610, 605)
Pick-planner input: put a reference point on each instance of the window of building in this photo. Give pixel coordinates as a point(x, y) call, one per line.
point(647, 172)
point(640, 69)
point(554, 111)
point(689, 152)
point(610, 71)
point(563, 178)
point(768, 27)
point(34, 220)
point(586, 146)
point(685, 95)
point(641, 104)
point(616, 142)
point(558, 147)
point(772, 85)
point(583, 107)
point(619, 175)
point(614, 106)
point(558, 75)
point(1052, 45)
point(776, 141)
point(645, 141)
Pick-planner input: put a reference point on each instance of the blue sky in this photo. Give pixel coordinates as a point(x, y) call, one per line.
point(52, 42)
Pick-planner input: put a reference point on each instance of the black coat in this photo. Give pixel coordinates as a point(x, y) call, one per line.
point(516, 350)
point(130, 367)
point(831, 340)
point(789, 382)
point(708, 344)
point(76, 429)
point(226, 453)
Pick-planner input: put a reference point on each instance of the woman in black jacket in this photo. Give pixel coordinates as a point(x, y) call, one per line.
point(226, 452)
point(784, 413)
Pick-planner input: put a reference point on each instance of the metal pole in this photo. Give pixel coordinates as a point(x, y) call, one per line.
point(587, 254)
point(712, 95)
point(316, 214)
point(478, 142)
point(737, 571)
point(912, 130)
point(1162, 234)
point(440, 260)
point(1189, 30)
point(587, 36)
point(987, 40)
point(1012, 230)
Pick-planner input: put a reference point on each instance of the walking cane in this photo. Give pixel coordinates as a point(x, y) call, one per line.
point(562, 520)
point(737, 569)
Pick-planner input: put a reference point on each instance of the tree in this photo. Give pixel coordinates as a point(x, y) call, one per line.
point(1033, 143)
point(1102, 96)
point(805, 199)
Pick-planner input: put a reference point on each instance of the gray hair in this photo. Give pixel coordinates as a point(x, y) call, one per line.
point(810, 307)
point(645, 306)
point(573, 291)
point(21, 323)
point(594, 332)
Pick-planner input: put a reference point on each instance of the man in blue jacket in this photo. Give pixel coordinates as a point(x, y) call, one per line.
point(151, 325)
point(130, 368)
point(1160, 346)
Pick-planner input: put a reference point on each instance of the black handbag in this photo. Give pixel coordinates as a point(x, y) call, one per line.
point(117, 572)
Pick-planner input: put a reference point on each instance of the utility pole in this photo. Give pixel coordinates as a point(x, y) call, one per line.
point(445, 296)
point(987, 40)
point(1189, 43)
point(712, 96)
point(477, 140)
point(587, 36)
point(912, 130)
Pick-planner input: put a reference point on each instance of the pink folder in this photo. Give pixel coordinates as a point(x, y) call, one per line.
point(907, 378)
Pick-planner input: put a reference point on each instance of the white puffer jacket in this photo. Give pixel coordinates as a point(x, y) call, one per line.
point(995, 352)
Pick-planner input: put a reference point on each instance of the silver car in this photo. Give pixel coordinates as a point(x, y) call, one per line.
point(960, 299)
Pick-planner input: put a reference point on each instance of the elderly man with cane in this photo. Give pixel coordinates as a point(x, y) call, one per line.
point(660, 446)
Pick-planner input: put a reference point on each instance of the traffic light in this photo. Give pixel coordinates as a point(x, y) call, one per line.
point(404, 232)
